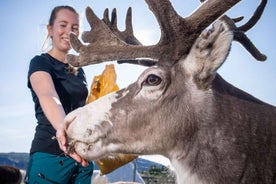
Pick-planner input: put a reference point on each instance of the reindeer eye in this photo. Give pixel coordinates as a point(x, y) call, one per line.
point(152, 80)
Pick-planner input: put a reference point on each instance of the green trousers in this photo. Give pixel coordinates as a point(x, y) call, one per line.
point(47, 168)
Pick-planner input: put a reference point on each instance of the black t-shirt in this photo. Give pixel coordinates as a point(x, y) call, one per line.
point(72, 91)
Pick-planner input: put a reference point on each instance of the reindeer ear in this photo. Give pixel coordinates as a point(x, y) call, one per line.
point(208, 53)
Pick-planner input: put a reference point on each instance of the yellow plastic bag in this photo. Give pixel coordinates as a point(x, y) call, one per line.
point(102, 85)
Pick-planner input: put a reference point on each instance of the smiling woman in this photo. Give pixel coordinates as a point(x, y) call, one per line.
point(57, 89)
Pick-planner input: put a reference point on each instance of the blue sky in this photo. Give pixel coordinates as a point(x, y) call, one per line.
point(23, 30)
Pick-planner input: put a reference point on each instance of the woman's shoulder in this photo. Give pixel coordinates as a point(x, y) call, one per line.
point(42, 57)
point(40, 63)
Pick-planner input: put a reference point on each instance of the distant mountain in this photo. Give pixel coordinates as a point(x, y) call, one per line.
point(20, 160)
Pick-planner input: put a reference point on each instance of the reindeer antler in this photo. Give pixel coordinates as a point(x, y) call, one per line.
point(127, 35)
point(105, 45)
point(239, 32)
point(177, 35)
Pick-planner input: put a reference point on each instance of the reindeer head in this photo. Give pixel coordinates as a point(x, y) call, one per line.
point(159, 113)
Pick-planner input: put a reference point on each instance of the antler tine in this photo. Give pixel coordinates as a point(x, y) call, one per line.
point(127, 35)
point(255, 18)
point(106, 18)
point(239, 32)
point(95, 24)
point(249, 46)
point(131, 39)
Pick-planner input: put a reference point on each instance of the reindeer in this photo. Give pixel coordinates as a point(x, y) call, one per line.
point(179, 107)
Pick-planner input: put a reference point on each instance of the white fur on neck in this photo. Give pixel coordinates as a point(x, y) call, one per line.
point(183, 173)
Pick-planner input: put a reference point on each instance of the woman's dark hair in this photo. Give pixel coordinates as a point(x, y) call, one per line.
point(10, 175)
point(57, 9)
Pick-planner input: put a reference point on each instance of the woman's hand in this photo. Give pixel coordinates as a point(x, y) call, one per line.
point(63, 144)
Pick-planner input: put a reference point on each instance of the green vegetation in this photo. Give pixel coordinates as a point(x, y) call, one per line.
point(160, 175)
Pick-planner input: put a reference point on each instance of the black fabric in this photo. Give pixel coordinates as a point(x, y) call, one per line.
point(72, 91)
